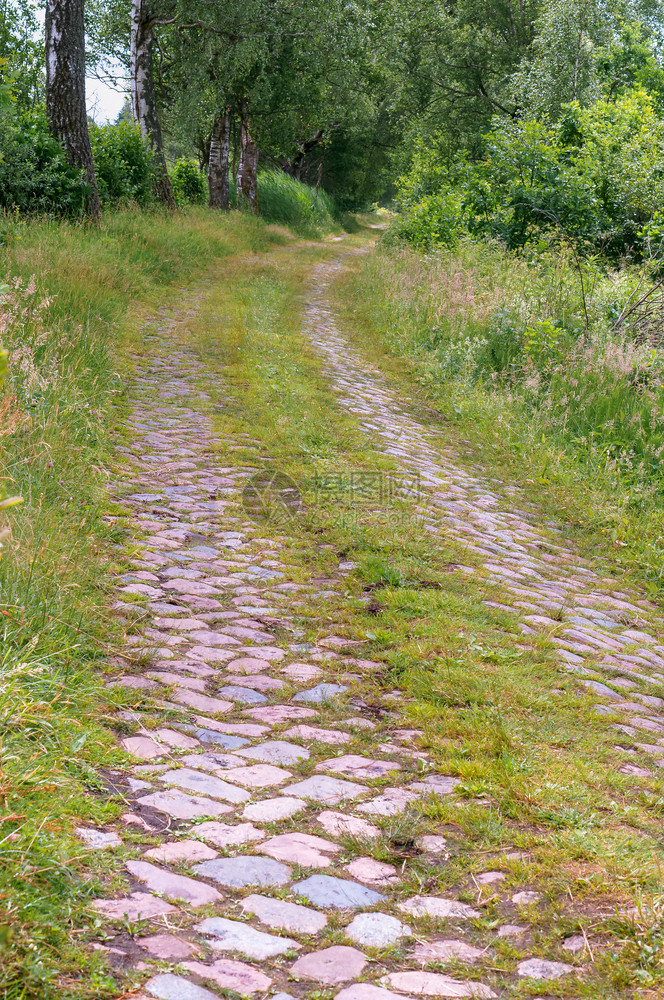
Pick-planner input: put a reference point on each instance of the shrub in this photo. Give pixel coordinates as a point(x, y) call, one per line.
point(123, 163)
point(35, 177)
point(433, 222)
point(189, 186)
point(596, 175)
point(34, 174)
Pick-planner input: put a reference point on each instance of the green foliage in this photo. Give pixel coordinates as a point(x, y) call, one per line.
point(35, 177)
point(6, 87)
point(347, 93)
point(545, 343)
point(453, 65)
point(306, 77)
point(480, 322)
point(434, 221)
point(123, 163)
point(288, 202)
point(189, 185)
point(356, 163)
point(595, 176)
point(562, 64)
point(21, 51)
point(630, 62)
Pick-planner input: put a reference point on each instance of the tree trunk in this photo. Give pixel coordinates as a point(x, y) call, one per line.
point(65, 89)
point(143, 100)
point(240, 167)
point(247, 174)
point(294, 168)
point(218, 179)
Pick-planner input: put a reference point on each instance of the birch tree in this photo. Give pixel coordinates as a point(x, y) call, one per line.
point(247, 173)
point(65, 89)
point(144, 104)
point(294, 66)
point(218, 164)
point(563, 63)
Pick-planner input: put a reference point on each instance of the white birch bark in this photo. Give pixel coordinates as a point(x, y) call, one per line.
point(65, 89)
point(143, 100)
point(218, 164)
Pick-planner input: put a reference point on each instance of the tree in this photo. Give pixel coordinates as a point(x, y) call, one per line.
point(144, 104)
point(6, 89)
point(298, 68)
point(562, 65)
point(218, 161)
point(631, 62)
point(247, 171)
point(454, 65)
point(65, 89)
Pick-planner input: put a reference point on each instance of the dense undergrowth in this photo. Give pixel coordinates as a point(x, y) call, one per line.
point(543, 363)
point(35, 179)
point(70, 291)
point(591, 174)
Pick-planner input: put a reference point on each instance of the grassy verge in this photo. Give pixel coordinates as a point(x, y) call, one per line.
point(543, 798)
point(72, 291)
point(574, 422)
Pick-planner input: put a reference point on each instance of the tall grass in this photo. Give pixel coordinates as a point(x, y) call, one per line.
point(288, 202)
point(72, 290)
point(282, 199)
point(525, 355)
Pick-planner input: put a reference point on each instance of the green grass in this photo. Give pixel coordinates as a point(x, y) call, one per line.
point(286, 201)
point(64, 333)
point(485, 338)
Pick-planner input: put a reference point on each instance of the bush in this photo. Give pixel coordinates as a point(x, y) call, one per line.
point(35, 177)
point(34, 174)
point(433, 222)
point(596, 176)
point(123, 163)
point(189, 185)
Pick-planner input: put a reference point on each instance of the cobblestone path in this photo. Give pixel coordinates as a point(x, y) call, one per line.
point(608, 637)
point(254, 805)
